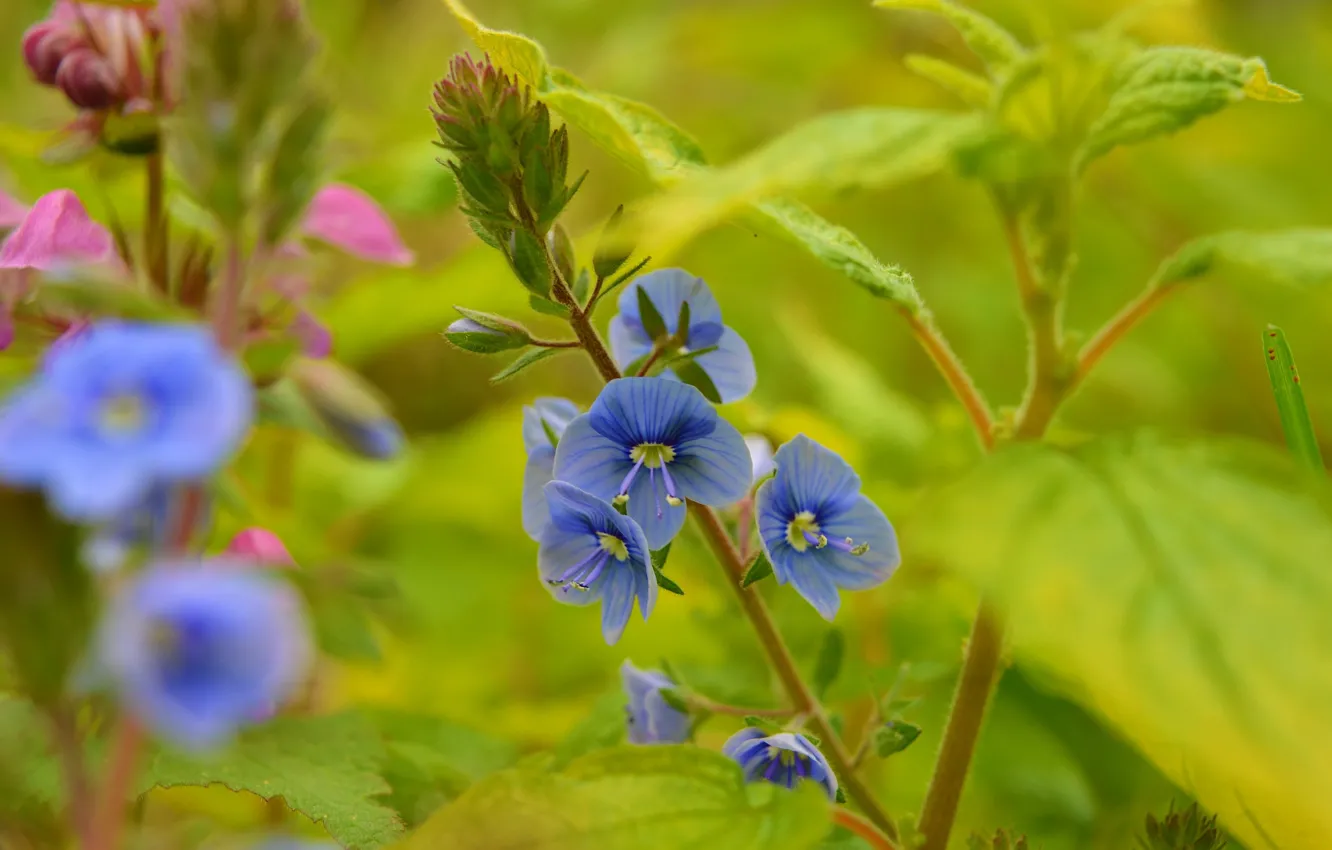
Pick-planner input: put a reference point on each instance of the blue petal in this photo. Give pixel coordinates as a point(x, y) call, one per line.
point(863, 523)
point(646, 494)
point(715, 469)
point(31, 434)
point(731, 366)
point(639, 683)
point(617, 601)
point(737, 742)
point(204, 431)
point(812, 478)
point(577, 511)
point(772, 521)
point(667, 289)
point(557, 413)
point(665, 723)
point(760, 455)
point(88, 486)
point(628, 341)
point(589, 461)
point(539, 472)
point(800, 569)
point(633, 411)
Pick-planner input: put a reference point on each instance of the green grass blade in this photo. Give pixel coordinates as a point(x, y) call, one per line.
point(1290, 399)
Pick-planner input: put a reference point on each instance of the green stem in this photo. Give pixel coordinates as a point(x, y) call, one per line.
point(228, 294)
point(155, 225)
point(74, 768)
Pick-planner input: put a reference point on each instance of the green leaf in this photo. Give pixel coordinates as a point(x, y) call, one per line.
point(829, 664)
point(759, 570)
point(510, 51)
point(659, 557)
point(672, 697)
point(648, 314)
point(972, 89)
point(894, 736)
point(323, 767)
point(103, 298)
point(1180, 592)
point(647, 142)
point(30, 781)
point(528, 259)
point(1295, 422)
point(996, 46)
point(693, 375)
point(667, 584)
point(522, 361)
point(1293, 257)
point(1161, 90)
point(548, 307)
point(663, 797)
point(602, 727)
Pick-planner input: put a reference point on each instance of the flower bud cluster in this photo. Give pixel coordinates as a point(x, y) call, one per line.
point(96, 55)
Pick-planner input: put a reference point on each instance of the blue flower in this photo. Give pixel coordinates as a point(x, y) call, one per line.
point(199, 649)
point(119, 409)
point(820, 533)
point(544, 422)
point(731, 366)
point(147, 524)
point(784, 758)
point(589, 552)
point(654, 443)
point(652, 720)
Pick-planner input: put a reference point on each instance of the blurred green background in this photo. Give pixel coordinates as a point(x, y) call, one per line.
point(474, 638)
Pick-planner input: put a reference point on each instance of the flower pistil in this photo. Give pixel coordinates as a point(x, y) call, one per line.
point(655, 456)
point(803, 531)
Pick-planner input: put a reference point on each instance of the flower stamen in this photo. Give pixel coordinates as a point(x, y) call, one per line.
point(122, 413)
point(803, 532)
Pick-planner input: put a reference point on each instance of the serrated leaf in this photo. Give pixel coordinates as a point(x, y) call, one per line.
point(997, 47)
point(759, 570)
point(1293, 257)
point(972, 89)
point(653, 323)
point(1161, 90)
point(644, 140)
point(1295, 422)
point(523, 361)
point(508, 50)
point(323, 767)
point(663, 797)
point(1180, 592)
point(829, 664)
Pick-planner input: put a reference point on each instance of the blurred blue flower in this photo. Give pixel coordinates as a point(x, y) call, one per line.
point(784, 758)
point(120, 408)
point(654, 443)
point(198, 649)
point(544, 422)
point(146, 525)
point(652, 720)
point(590, 552)
point(820, 533)
point(350, 410)
point(731, 366)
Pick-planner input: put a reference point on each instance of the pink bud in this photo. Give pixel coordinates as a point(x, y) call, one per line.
point(260, 546)
point(351, 220)
point(89, 80)
point(315, 337)
point(56, 233)
point(45, 45)
point(11, 212)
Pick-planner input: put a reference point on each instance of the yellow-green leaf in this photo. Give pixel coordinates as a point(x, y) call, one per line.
point(511, 51)
point(996, 46)
point(664, 797)
point(1180, 591)
point(1301, 257)
point(973, 89)
point(1162, 90)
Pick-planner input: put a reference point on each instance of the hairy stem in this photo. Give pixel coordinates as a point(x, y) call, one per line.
point(74, 769)
point(1047, 375)
point(1115, 329)
point(950, 366)
point(702, 703)
point(802, 698)
point(853, 822)
point(963, 729)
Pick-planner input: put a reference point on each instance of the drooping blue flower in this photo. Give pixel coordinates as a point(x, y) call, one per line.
point(120, 408)
point(544, 422)
point(731, 366)
point(652, 720)
point(198, 649)
point(654, 443)
point(589, 552)
point(785, 759)
point(819, 531)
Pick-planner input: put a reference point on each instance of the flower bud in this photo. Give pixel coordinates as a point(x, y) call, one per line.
point(89, 80)
point(349, 409)
point(485, 333)
point(45, 45)
point(259, 546)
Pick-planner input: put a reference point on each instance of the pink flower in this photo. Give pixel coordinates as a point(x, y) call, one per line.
point(261, 547)
point(351, 220)
point(95, 54)
point(57, 233)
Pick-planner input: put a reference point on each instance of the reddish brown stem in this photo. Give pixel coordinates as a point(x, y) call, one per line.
point(853, 822)
point(109, 816)
point(954, 373)
point(1115, 329)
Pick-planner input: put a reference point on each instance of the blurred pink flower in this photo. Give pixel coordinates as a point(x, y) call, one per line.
point(351, 220)
point(57, 233)
point(259, 546)
point(96, 54)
